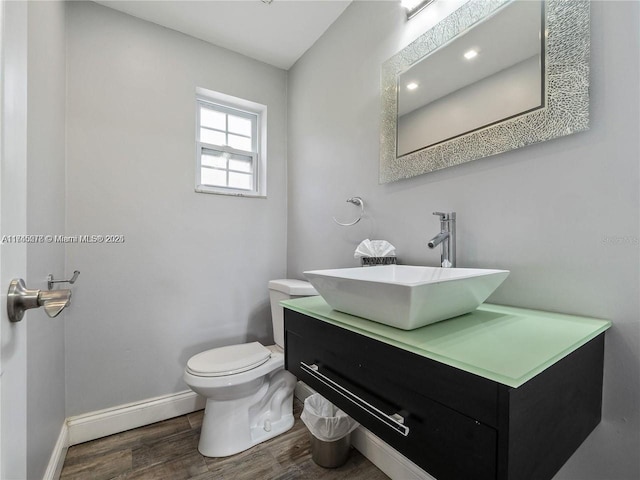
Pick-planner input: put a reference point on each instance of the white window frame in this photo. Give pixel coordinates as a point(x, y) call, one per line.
point(243, 108)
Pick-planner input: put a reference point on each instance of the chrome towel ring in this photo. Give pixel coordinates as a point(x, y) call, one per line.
point(358, 202)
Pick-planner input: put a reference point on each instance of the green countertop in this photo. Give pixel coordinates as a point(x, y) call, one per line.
point(504, 344)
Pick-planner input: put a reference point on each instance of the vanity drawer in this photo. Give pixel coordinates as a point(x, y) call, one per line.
point(464, 392)
point(443, 441)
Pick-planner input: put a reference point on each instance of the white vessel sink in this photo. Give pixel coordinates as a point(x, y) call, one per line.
point(404, 296)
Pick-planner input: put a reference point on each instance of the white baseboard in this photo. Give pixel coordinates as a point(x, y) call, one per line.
point(390, 461)
point(90, 426)
point(93, 425)
point(303, 391)
point(56, 461)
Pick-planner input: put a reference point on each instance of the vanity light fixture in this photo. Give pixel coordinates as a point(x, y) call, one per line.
point(412, 86)
point(471, 54)
point(415, 6)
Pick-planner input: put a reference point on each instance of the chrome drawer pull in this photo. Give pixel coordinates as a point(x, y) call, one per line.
point(395, 421)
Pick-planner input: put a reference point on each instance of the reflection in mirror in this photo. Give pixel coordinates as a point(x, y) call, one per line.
point(527, 81)
point(489, 73)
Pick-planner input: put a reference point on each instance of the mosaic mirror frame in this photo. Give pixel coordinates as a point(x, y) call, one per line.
point(566, 108)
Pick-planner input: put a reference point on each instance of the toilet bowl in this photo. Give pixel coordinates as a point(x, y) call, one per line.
point(249, 394)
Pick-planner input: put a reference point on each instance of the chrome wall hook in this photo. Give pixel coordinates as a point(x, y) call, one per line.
point(71, 281)
point(21, 298)
point(358, 202)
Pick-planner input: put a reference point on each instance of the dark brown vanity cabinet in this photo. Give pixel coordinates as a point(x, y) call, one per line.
point(454, 424)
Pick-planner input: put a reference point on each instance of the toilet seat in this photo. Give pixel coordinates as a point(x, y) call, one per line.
point(229, 360)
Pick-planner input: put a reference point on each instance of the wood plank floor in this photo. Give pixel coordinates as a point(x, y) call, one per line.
point(169, 450)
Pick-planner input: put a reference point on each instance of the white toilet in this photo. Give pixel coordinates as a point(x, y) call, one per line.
point(249, 394)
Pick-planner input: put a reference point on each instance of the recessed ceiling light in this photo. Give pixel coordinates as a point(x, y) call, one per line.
point(412, 86)
point(471, 54)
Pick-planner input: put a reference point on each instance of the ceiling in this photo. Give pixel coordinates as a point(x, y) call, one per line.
point(277, 33)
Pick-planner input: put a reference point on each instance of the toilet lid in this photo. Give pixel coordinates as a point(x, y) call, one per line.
point(228, 360)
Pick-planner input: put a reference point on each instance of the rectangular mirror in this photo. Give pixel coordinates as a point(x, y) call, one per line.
point(491, 77)
point(487, 74)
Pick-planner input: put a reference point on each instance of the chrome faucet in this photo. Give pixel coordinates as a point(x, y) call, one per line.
point(446, 238)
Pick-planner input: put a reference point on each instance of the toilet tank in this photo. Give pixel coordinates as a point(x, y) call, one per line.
point(285, 289)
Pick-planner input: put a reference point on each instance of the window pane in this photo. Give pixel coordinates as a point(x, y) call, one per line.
point(240, 125)
point(240, 163)
point(216, 178)
point(240, 143)
point(211, 118)
point(212, 137)
point(214, 159)
point(227, 144)
point(241, 181)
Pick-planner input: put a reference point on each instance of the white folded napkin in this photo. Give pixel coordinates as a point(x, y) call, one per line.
point(375, 248)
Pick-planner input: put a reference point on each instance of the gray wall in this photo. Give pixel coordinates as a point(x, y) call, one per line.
point(45, 215)
point(563, 216)
point(193, 271)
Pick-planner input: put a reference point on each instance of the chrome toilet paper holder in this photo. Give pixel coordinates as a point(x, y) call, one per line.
point(71, 281)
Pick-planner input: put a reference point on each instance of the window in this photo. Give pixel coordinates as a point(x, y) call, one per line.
point(230, 157)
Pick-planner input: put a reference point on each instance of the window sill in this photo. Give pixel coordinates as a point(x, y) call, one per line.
point(230, 193)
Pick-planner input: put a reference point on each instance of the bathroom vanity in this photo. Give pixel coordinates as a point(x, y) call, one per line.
point(499, 393)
